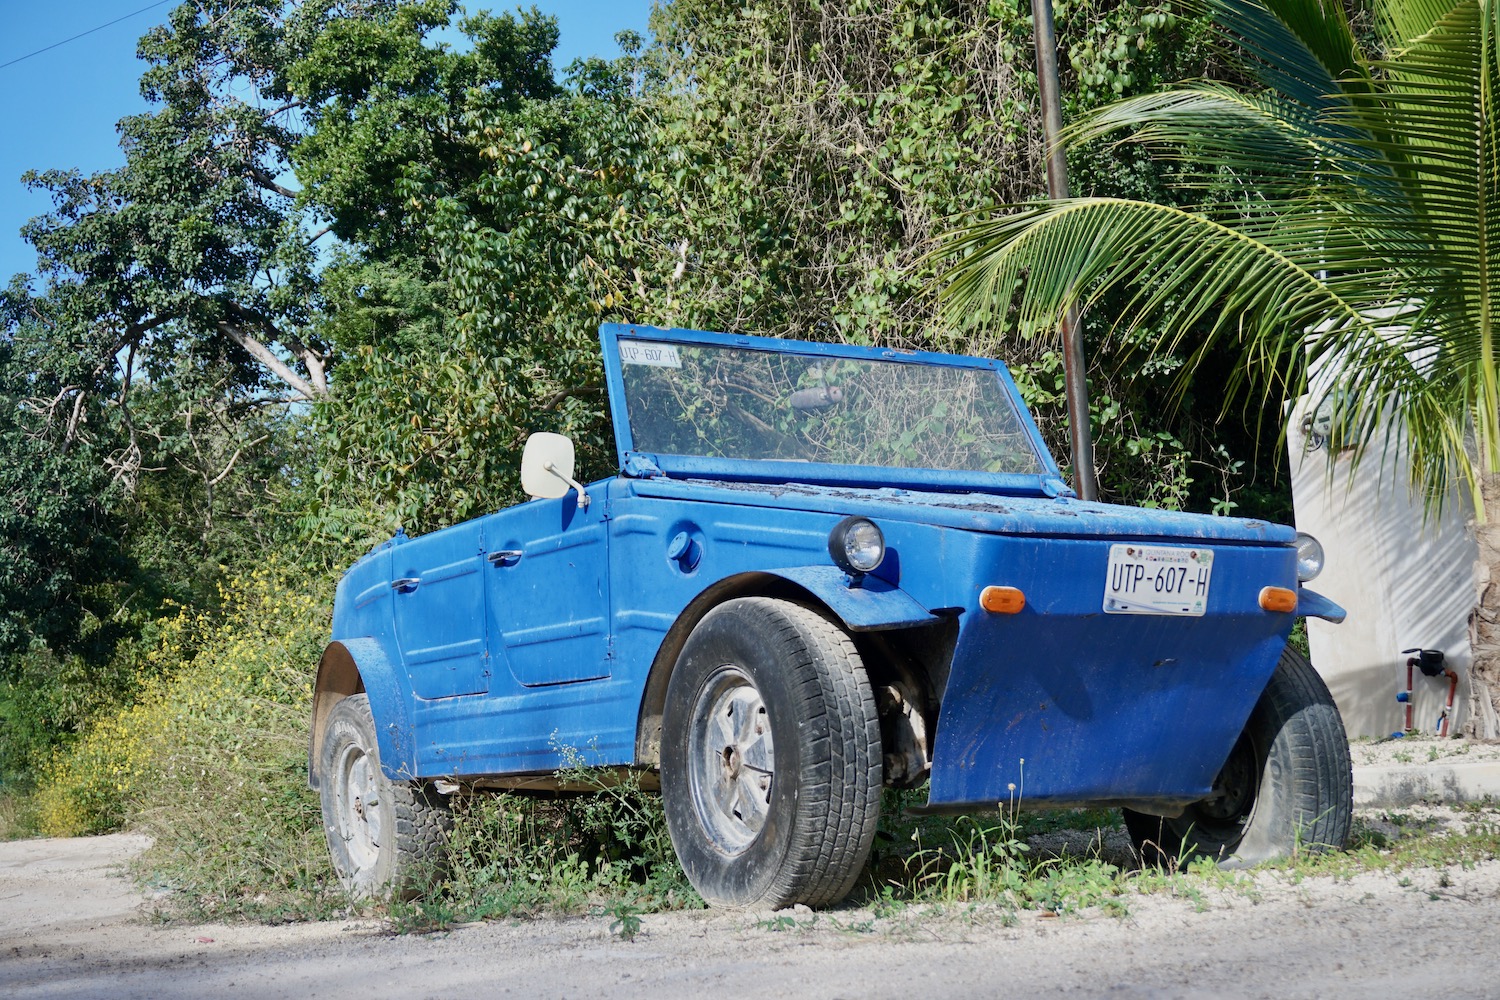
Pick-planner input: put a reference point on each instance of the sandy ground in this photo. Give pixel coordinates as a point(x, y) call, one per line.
point(72, 926)
point(1419, 749)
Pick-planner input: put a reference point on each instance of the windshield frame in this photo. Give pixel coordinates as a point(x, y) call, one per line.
point(1048, 482)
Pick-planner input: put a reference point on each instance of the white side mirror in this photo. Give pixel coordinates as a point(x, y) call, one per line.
point(547, 468)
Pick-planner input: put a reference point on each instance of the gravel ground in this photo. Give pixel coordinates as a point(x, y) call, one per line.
point(72, 926)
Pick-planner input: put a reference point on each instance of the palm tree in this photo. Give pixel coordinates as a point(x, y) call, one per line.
point(1353, 233)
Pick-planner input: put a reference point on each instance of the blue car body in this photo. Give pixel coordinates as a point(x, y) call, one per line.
point(497, 649)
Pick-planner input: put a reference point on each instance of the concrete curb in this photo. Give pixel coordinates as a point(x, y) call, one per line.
point(1393, 785)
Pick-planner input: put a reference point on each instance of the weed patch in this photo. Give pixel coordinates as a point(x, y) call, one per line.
point(603, 849)
point(1422, 837)
point(991, 859)
point(18, 817)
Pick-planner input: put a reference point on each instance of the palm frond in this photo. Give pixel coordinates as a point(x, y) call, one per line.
point(1300, 49)
point(1185, 269)
point(1402, 22)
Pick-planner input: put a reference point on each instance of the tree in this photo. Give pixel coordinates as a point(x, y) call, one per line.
point(261, 230)
point(59, 531)
point(167, 372)
point(523, 218)
point(1351, 184)
point(195, 239)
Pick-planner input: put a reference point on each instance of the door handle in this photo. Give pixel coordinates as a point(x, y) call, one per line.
point(406, 584)
point(505, 557)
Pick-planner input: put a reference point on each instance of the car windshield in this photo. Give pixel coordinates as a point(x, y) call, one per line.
point(738, 403)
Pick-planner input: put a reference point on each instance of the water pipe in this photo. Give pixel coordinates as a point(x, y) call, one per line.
point(1446, 717)
point(1431, 662)
point(1404, 697)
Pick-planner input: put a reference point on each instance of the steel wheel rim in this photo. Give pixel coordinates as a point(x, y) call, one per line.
point(358, 807)
point(731, 760)
point(1227, 813)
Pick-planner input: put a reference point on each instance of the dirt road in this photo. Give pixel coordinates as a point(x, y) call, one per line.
point(71, 927)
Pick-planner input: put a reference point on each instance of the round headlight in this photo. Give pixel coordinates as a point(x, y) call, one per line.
point(1309, 556)
point(856, 545)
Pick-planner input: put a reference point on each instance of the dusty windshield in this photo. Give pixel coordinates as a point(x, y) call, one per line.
point(736, 403)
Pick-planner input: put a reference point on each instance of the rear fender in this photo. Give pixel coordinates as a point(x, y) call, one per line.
point(355, 666)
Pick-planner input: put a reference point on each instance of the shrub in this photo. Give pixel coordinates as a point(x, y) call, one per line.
point(210, 759)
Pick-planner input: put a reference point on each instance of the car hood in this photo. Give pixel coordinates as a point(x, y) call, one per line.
point(985, 512)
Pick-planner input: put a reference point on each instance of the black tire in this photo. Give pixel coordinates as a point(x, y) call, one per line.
point(771, 759)
point(385, 837)
point(1286, 786)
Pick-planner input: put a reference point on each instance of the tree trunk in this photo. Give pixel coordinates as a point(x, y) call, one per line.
point(1484, 622)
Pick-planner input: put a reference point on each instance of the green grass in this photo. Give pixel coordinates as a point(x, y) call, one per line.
point(999, 860)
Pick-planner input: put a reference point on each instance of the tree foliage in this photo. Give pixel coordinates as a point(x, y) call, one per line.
point(58, 528)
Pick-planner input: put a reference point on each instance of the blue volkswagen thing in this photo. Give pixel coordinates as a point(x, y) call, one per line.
point(824, 569)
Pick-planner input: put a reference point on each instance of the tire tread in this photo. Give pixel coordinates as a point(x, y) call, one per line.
point(838, 783)
point(422, 818)
point(1297, 718)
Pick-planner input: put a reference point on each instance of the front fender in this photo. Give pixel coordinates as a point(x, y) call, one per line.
point(866, 605)
point(1311, 604)
point(384, 684)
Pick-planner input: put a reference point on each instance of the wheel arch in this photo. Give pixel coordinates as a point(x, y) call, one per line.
point(361, 666)
point(915, 656)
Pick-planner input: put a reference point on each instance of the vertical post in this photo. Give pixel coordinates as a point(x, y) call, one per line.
point(1057, 189)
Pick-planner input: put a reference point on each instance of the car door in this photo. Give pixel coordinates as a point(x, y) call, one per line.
point(438, 592)
point(547, 580)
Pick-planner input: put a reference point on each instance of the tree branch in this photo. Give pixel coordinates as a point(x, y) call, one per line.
point(315, 362)
point(263, 177)
point(216, 480)
point(260, 352)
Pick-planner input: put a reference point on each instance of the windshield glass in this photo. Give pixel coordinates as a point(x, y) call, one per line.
point(738, 403)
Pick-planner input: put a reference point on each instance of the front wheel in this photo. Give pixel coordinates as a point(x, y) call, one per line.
point(384, 836)
point(1286, 786)
point(771, 760)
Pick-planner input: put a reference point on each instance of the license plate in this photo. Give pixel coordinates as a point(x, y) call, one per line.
point(1157, 580)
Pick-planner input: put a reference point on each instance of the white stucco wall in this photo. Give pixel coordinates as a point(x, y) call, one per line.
point(1406, 579)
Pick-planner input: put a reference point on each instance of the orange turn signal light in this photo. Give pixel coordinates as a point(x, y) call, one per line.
point(1278, 599)
point(1002, 600)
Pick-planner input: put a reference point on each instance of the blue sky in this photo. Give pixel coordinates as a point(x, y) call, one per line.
point(60, 106)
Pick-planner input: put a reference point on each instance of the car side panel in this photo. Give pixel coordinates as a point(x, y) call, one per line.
point(547, 578)
point(551, 697)
point(438, 601)
point(652, 586)
point(523, 727)
point(362, 604)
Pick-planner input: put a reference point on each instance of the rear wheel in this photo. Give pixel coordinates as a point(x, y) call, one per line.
point(384, 836)
point(1286, 786)
point(770, 761)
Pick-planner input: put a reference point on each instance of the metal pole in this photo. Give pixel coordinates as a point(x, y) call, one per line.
point(1057, 189)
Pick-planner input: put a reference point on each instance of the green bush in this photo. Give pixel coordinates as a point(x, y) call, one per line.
point(210, 759)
